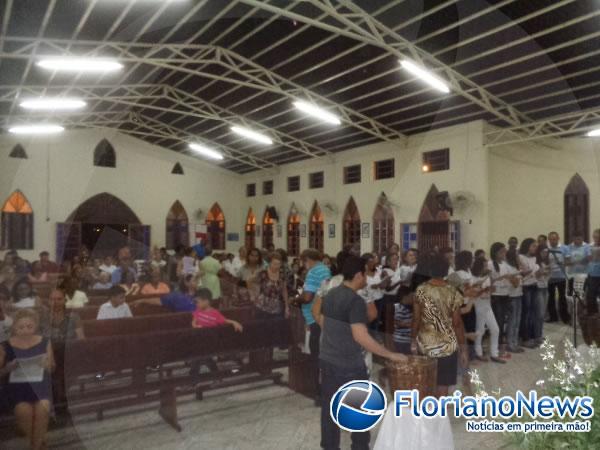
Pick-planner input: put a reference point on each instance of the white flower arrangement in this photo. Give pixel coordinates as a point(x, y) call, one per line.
point(575, 373)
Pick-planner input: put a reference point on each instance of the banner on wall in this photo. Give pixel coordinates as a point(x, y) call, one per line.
point(200, 233)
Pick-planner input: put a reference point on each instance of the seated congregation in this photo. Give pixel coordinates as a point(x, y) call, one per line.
point(93, 334)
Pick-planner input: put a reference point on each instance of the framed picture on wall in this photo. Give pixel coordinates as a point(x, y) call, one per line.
point(257, 230)
point(233, 237)
point(365, 230)
point(279, 230)
point(302, 230)
point(331, 230)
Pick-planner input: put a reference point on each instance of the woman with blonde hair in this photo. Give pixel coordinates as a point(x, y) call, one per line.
point(29, 395)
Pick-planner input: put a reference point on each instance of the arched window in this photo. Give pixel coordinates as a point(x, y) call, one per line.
point(383, 226)
point(267, 231)
point(434, 223)
point(577, 209)
point(317, 228)
point(250, 239)
point(17, 223)
point(351, 225)
point(215, 227)
point(177, 226)
point(104, 155)
point(293, 232)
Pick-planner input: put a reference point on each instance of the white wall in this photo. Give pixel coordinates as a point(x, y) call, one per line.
point(518, 188)
point(59, 175)
point(527, 184)
point(408, 189)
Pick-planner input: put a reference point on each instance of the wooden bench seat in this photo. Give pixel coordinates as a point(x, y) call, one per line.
point(134, 353)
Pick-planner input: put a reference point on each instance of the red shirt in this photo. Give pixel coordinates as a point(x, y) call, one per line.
point(209, 318)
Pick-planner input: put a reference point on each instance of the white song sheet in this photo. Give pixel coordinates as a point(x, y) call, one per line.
point(28, 370)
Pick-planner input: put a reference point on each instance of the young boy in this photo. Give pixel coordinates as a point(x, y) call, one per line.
point(115, 307)
point(206, 316)
point(103, 283)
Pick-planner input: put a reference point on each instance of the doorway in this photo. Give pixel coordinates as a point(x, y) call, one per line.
point(103, 223)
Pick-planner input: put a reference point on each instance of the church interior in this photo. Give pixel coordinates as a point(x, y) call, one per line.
point(300, 139)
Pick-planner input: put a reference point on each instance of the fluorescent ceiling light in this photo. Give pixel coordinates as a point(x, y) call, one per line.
point(594, 133)
point(44, 128)
point(209, 153)
point(73, 64)
point(252, 135)
point(53, 104)
point(315, 111)
point(425, 75)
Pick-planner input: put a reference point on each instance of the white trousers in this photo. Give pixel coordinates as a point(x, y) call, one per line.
point(485, 318)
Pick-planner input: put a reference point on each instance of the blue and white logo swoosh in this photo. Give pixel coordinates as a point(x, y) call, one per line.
point(358, 405)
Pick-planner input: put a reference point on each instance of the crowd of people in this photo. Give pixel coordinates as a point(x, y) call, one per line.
point(434, 303)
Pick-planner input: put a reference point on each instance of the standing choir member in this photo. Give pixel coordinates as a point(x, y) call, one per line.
point(515, 294)
point(543, 275)
point(530, 310)
point(559, 259)
point(484, 315)
point(593, 281)
point(500, 275)
point(373, 292)
point(580, 253)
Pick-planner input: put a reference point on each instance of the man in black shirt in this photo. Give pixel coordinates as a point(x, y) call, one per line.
point(344, 338)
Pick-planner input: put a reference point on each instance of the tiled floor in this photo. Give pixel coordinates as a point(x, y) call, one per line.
point(265, 417)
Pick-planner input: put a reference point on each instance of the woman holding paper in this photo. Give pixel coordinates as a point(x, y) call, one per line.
point(27, 359)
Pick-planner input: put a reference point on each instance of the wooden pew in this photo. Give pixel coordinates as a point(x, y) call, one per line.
point(91, 312)
point(88, 357)
point(152, 323)
point(136, 325)
point(301, 366)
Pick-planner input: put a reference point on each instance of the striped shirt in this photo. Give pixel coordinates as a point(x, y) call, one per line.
point(403, 313)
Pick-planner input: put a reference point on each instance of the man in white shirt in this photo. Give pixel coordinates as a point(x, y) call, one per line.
point(115, 307)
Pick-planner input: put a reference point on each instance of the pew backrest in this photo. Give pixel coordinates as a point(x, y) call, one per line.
point(114, 353)
point(137, 325)
point(150, 323)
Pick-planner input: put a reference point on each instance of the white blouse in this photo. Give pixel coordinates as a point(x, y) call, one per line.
point(501, 287)
point(79, 300)
point(529, 263)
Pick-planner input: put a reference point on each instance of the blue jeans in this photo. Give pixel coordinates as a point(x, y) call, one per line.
point(539, 310)
point(527, 312)
point(332, 378)
point(514, 321)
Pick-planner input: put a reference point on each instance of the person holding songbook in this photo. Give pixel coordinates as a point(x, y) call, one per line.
point(26, 360)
